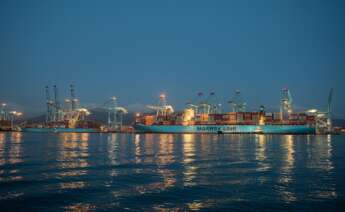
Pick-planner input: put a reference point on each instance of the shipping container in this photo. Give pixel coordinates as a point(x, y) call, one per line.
point(247, 116)
point(276, 116)
point(269, 114)
point(239, 116)
point(311, 118)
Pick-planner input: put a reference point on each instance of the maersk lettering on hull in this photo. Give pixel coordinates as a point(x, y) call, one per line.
point(281, 129)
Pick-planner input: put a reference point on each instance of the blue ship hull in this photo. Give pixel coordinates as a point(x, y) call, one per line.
point(61, 130)
point(269, 129)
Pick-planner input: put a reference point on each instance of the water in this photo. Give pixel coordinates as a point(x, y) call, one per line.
point(166, 172)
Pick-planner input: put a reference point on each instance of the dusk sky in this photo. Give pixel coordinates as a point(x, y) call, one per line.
point(136, 49)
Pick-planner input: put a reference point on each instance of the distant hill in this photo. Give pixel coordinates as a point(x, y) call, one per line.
point(101, 115)
point(36, 119)
point(339, 122)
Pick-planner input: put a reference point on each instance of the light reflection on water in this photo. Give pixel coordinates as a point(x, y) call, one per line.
point(10, 154)
point(72, 160)
point(286, 178)
point(170, 172)
point(190, 170)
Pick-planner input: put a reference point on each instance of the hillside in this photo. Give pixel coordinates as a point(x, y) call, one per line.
point(98, 115)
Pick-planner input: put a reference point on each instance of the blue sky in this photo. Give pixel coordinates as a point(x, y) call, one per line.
point(136, 49)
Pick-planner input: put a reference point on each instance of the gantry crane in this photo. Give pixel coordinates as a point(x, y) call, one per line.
point(162, 109)
point(3, 112)
point(115, 114)
point(237, 103)
point(286, 104)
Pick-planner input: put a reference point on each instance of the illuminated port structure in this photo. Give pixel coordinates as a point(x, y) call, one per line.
point(3, 112)
point(67, 115)
point(115, 114)
point(7, 118)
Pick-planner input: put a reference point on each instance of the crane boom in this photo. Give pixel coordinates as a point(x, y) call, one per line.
point(330, 96)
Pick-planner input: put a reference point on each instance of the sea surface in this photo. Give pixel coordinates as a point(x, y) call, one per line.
point(166, 172)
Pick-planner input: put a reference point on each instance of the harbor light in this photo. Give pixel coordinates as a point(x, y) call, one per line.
point(13, 115)
point(311, 111)
point(84, 110)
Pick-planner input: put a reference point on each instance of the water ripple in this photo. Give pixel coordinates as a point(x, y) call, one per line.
point(86, 172)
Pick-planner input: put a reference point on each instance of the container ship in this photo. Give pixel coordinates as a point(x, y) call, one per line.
point(205, 117)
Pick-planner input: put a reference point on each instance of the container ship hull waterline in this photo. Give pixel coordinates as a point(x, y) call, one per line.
point(204, 116)
point(229, 129)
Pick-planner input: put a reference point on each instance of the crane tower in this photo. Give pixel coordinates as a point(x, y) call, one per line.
point(237, 103)
point(286, 104)
point(115, 114)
